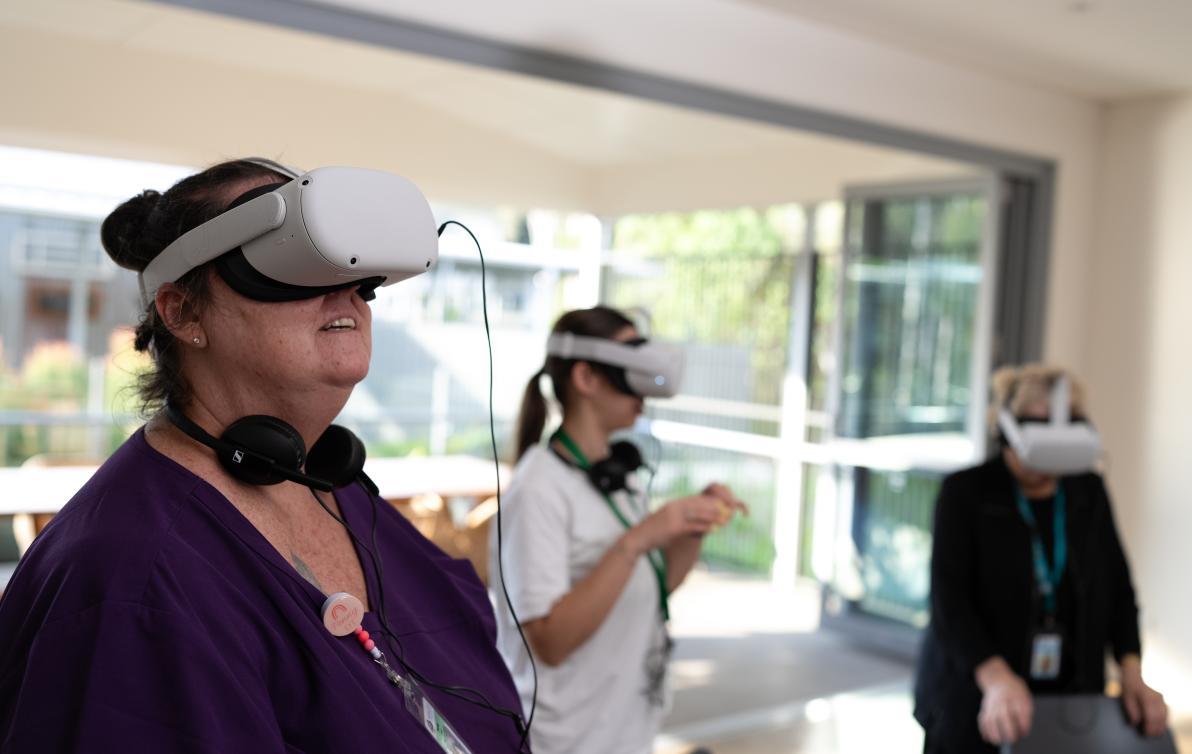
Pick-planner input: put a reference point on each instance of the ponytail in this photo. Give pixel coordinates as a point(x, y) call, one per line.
point(531, 418)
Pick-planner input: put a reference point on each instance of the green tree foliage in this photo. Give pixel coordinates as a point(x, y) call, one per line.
point(53, 380)
point(714, 277)
point(53, 374)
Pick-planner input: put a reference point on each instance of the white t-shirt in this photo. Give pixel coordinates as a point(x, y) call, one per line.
point(556, 529)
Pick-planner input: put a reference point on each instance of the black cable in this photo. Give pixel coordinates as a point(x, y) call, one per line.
point(492, 430)
point(458, 692)
point(653, 469)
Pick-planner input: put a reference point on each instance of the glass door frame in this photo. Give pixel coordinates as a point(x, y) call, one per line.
point(839, 612)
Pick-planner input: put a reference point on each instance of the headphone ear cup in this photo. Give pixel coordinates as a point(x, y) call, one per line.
point(627, 455)
point(604, 477)
point(255, 442)
point(337, 457)
point(609, 475)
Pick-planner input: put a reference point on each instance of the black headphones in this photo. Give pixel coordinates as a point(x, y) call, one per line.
point(264, 450)
point(607, 475)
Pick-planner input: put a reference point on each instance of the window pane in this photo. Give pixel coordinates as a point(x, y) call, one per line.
point(910, 304)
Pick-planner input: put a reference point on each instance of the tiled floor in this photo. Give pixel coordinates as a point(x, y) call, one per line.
point(753, 676)
point(864, 722)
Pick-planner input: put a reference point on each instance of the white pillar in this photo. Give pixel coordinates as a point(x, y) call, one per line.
point(788, 503)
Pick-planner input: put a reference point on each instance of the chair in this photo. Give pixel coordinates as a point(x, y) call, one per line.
point(472, 539)
point(1086, 724)
point(431, 516)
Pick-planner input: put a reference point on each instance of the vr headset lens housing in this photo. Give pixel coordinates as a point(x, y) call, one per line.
point(246, 280)
point(641, 368)
point(1058, 446)
point(328, 229)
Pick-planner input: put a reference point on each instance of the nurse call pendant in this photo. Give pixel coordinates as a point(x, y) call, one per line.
point(342, 615)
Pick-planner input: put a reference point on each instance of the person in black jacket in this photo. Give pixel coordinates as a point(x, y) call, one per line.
point(1029, 589)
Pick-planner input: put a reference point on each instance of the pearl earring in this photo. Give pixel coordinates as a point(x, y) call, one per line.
point(195, 340)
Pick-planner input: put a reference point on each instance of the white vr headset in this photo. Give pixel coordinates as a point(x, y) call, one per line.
point(644, 368)
point(1059, 446)
point(324, 230)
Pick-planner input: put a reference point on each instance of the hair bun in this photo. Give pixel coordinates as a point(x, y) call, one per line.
point(126, 235)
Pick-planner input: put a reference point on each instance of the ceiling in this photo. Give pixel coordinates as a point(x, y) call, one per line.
point(1105, 49)
point(1101, 49)
point(570, 122)
point(612, 141)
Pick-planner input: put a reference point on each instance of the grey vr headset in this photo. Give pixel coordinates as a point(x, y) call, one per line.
point(1059, 446)
point(647, 369)
point(330, 228)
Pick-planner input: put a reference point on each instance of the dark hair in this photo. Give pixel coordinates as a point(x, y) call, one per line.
point(140, 228)
point(597, 322)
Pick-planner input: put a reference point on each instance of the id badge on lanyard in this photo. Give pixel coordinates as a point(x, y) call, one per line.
point(1047, 643)
point(342, 614)
point(423, 709)
point(1047, 651)
point(657, 662)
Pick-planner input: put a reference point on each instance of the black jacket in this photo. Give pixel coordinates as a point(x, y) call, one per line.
point(984, 600)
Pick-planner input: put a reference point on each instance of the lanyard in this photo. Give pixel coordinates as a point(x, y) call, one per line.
point(656, 558)
point(1048, 579)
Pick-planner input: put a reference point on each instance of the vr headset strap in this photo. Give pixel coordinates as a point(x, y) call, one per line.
point(213, 238)
point(1061, 401)
point(571, 346)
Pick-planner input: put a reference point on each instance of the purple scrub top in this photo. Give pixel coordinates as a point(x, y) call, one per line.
point(151, 616)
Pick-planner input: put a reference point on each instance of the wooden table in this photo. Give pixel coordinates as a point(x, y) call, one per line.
point(446, 476)
point(40, 489)
point(46, 490)
point(34, 494)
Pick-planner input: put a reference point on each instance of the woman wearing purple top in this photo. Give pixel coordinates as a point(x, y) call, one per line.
point(172, 607)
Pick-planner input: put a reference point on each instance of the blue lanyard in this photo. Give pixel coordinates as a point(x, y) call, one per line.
point(656, 558)
point(1048, 579)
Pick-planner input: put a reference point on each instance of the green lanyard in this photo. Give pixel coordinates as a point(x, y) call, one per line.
point(1048, 578)
point(656, 558)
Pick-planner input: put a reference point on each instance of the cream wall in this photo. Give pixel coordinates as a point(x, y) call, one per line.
point(1141, 368)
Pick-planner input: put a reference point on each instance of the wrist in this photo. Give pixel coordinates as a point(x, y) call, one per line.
point(1132, 681)
point(992, 672)
point(632, 544)
point(1130, 666)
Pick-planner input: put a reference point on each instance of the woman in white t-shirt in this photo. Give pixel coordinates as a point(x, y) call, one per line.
point(589, 570)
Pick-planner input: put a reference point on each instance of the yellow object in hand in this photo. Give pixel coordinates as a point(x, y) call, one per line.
point(724, 512)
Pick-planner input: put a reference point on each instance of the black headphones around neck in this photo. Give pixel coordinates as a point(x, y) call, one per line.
point(265, 450)
point(610, 474)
